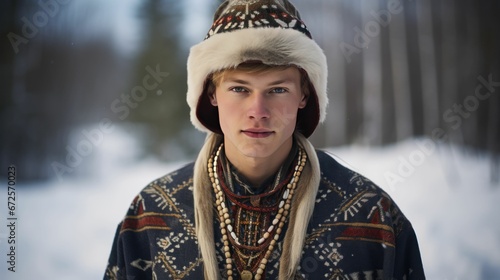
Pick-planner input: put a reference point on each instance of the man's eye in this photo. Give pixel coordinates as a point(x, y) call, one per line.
point(238, 89)
point(278, 90)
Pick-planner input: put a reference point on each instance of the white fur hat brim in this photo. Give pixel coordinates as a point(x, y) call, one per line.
point(272, 46)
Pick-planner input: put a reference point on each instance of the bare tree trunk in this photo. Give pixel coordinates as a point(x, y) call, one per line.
point(426, 46)
point(400, 77)
point(372, 77)
point(353, 72)
point(472, 70)
point(493, 145)
point(449, 67)
point(335, 132)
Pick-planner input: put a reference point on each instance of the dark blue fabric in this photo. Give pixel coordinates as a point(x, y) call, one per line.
point(356, 232)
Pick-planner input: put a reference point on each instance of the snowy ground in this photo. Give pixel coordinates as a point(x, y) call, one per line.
point(65, 228)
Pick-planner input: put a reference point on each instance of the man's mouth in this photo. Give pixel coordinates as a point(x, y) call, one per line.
point(257, 133)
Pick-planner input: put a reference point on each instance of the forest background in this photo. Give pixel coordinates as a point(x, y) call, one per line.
point(73, 71)
point(93, 108)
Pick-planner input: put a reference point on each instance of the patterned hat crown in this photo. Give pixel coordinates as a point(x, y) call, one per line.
point(241, 14)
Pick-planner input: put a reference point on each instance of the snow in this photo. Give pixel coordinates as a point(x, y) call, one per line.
point(450, 201)
point(65, 228)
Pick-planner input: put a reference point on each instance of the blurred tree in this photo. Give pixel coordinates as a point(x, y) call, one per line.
point(410, 69)
point(56, 81)
point(158, 103)
point(8, 13)
point(426, 56)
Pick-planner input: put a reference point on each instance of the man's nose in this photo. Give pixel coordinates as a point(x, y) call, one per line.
point(258, 106)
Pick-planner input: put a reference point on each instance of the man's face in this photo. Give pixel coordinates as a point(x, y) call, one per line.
point(258, 112)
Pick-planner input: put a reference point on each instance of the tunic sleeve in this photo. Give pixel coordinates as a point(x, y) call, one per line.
point(115, 258)
point(156, 238)
point(130, 256)
point(408, 263)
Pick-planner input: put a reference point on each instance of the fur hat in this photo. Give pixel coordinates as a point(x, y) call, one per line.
point(268, 31)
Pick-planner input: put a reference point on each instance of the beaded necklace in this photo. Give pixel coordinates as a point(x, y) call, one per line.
point(275, 228)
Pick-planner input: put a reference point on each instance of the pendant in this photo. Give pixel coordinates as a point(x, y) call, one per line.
point(255, 200)
point(246, 275)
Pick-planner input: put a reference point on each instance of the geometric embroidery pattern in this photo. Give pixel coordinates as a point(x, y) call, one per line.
point(351, 235)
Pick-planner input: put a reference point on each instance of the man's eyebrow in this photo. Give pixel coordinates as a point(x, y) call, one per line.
point(239, 81)
point(244, 82)
point(282, 81)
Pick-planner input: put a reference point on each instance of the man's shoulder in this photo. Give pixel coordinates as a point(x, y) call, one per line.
point(352, 188)
point(159, 228)
point(171, 192)
point(336, 173)
point(173, 179)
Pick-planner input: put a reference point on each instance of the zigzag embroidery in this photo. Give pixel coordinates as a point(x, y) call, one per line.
point(380, 210)
point(352, 207)
point(163, 260)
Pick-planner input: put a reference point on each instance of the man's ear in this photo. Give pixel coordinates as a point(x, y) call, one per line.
point(213, 99)
point(303, 102)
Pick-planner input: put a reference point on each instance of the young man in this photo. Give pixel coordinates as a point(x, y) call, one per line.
point(260, 202)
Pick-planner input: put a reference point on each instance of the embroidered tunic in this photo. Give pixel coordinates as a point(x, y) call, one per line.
point(356, 232)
